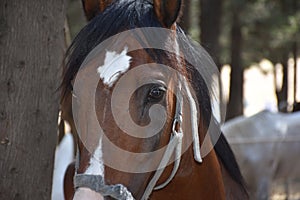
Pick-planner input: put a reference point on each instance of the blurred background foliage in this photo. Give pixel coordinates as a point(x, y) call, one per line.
point(237, 33)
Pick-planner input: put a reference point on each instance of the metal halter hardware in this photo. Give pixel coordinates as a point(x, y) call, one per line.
point(120, 192)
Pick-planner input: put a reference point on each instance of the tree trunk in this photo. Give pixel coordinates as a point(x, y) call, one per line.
point(295, 55)
point(185, 20)
point(296, 105)
point(210, 25)
point(31, 52)
point(235, 104)
point(282, 93)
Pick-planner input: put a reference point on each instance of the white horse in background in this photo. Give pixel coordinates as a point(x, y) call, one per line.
point(267, 148)
point(64, 155)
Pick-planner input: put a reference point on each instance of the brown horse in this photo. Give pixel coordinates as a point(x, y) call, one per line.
point(124, 87)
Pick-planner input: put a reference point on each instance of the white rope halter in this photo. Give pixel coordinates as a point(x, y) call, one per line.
point(120, 192)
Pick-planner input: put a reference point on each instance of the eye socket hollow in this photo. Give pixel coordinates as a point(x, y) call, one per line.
point(156, 93)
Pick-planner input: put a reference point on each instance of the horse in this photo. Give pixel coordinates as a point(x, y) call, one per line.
point(267, 147)
point(123, 89)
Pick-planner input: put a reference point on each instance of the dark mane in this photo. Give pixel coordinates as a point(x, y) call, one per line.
point(130, 14)
point(122, 16)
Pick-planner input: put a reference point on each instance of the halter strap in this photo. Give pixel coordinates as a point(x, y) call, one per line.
point(175, 144)
point(97, 184)
point(194, 121)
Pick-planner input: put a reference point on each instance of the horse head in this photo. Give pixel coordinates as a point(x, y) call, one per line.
point(141, 108)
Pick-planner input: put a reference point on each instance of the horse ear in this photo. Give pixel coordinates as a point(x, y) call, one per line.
point(167, 11)
point(94, 7)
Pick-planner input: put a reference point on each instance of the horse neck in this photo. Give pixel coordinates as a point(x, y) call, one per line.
point(232, 188)
point(194, 180)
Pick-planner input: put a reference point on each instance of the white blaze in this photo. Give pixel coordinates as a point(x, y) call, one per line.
point(114, 65)
point(96, 162)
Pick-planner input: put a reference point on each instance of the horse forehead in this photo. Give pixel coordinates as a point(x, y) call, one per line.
point(115, 64)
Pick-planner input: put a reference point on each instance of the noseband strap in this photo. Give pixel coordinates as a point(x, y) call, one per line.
point(96, 183)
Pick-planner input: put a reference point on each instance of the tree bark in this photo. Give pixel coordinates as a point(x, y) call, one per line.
point(235, 104)
point(282, 93)
point(295, 57)
point(31, 52)
point(210, 25)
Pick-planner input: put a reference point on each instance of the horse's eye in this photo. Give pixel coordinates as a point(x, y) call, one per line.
point(156, 93)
